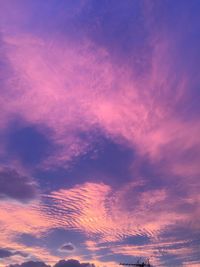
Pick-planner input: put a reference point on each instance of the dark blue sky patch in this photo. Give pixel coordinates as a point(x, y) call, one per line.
point(118, 258)
point(28, 240)
point(46, 20)
point(119, 27)
point(180, 232)
point(137, 240)
point(112, 160)
point(107, 162)
point(54, 239)
point(157, 176)
point(57, 237)
point(28, 144)
point(103, 251)
point(169, 259)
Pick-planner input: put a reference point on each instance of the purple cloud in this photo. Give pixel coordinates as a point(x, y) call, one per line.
point(30, 264)
point(67, 247)
point(61, 263)
point(14, 185)
point(72, 263)
point(6, 253)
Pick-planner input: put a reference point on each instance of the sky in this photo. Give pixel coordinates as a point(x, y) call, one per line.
point(99, 132)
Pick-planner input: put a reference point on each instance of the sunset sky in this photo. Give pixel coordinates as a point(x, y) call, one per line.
point(100, 131)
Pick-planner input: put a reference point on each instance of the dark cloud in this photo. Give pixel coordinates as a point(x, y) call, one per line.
point(16, 186)
point(61, 263)
point(5, 253)
point(72, 263)
point(67, 247)
point(30, 264)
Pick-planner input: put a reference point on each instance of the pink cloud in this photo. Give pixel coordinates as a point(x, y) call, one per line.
point(73, 89)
